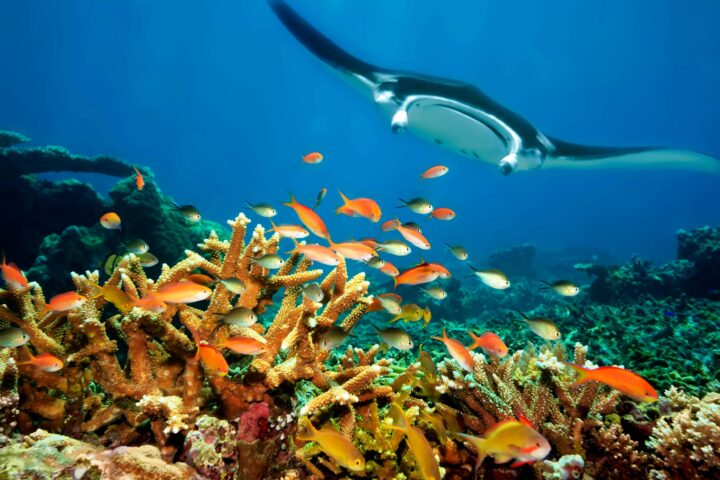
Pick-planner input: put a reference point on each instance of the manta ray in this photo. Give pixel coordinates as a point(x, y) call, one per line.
point(462, 118)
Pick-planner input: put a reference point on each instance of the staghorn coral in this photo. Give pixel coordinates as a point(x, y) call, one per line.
point(158, 387)
point(687, 442)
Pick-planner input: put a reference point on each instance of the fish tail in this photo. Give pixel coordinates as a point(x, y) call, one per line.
point(476, 341)
point(521, 314)
point(292, 203)
point(582, 372)
point(97, 290)
point(404, 201)
point(478, 444)
point(274, 227)
point(308, 430)
point(395, 282)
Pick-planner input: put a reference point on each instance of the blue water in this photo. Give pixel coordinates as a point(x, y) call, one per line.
point(220, 101)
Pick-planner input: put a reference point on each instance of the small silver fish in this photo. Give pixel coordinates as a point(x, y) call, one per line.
point(395, 337)
point(435, 292)
point(240, 317)
point(12, 337)
point(564, 288)
point(263, 209)
point(418, 205)
point(313, 292)
point(395, 247)
point(333, 338)
point(458, 252)
point(390, 304)
point(376, 262)
point(413, 226)
point(320, 197)
point(148, 260)
point(234, 285)
point(269, 260)
point(190, 213)
point(492, 278)
point(138, 246)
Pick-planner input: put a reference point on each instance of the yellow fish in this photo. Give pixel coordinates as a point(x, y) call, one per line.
point(114, 295)
point(335, 446)
point(418, 444)
point(510, 439)
point(427, 316)
point(410, 313)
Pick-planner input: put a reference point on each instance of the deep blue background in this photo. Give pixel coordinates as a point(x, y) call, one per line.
point(221, 101)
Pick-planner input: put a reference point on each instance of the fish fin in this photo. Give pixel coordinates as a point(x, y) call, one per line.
point(521, 314)
point(476, 341)
point(524, 420)
point(581, 371)
point(194, 334)
point(472, 268)
point(520, 463)
point(292, 203)
point(478, 444)
point(309, 431)
point(502, 458)
point(398, 413)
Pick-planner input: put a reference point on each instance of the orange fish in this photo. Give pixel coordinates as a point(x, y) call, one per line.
point(151, 303)
point(438, 268)
point(243, 345)
point(211, 358)
point(370, 242)
point(309, 218)
point(416, 276)
point(490, 343)
point(434, 172)
point(625, 381)
point(13, 276)
point(183, 292)
point(63, 302)
point(289, 231)
point(312, 158)
point(389, 225)
point(442, 214)
point(360, 207)
point(111, 221)
point(458, 351)
point(317, 253)
point(46, 362)
point(139, 180)
point(354, 250)
point(390, 269)
point(412, 236)
point(200, 278)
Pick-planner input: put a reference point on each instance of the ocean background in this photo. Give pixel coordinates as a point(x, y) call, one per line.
point(221, 102)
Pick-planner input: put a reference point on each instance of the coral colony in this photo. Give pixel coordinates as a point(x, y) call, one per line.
point(226, 364)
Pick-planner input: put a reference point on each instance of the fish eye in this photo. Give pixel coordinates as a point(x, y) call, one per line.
point(537, 444)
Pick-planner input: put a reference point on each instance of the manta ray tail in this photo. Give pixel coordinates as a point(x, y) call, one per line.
point(324, 48)
point(571, 155)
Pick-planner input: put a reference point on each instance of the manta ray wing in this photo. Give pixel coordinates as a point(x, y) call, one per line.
point(576, 156)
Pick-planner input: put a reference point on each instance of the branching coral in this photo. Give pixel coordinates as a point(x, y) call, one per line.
point(159, 380)
point(686, 443)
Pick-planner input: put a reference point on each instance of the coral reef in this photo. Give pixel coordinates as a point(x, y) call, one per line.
point(152, 391)
point(694, 272)
point(53, 225)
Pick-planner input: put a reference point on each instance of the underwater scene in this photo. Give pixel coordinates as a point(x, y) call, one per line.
point(344, 239)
